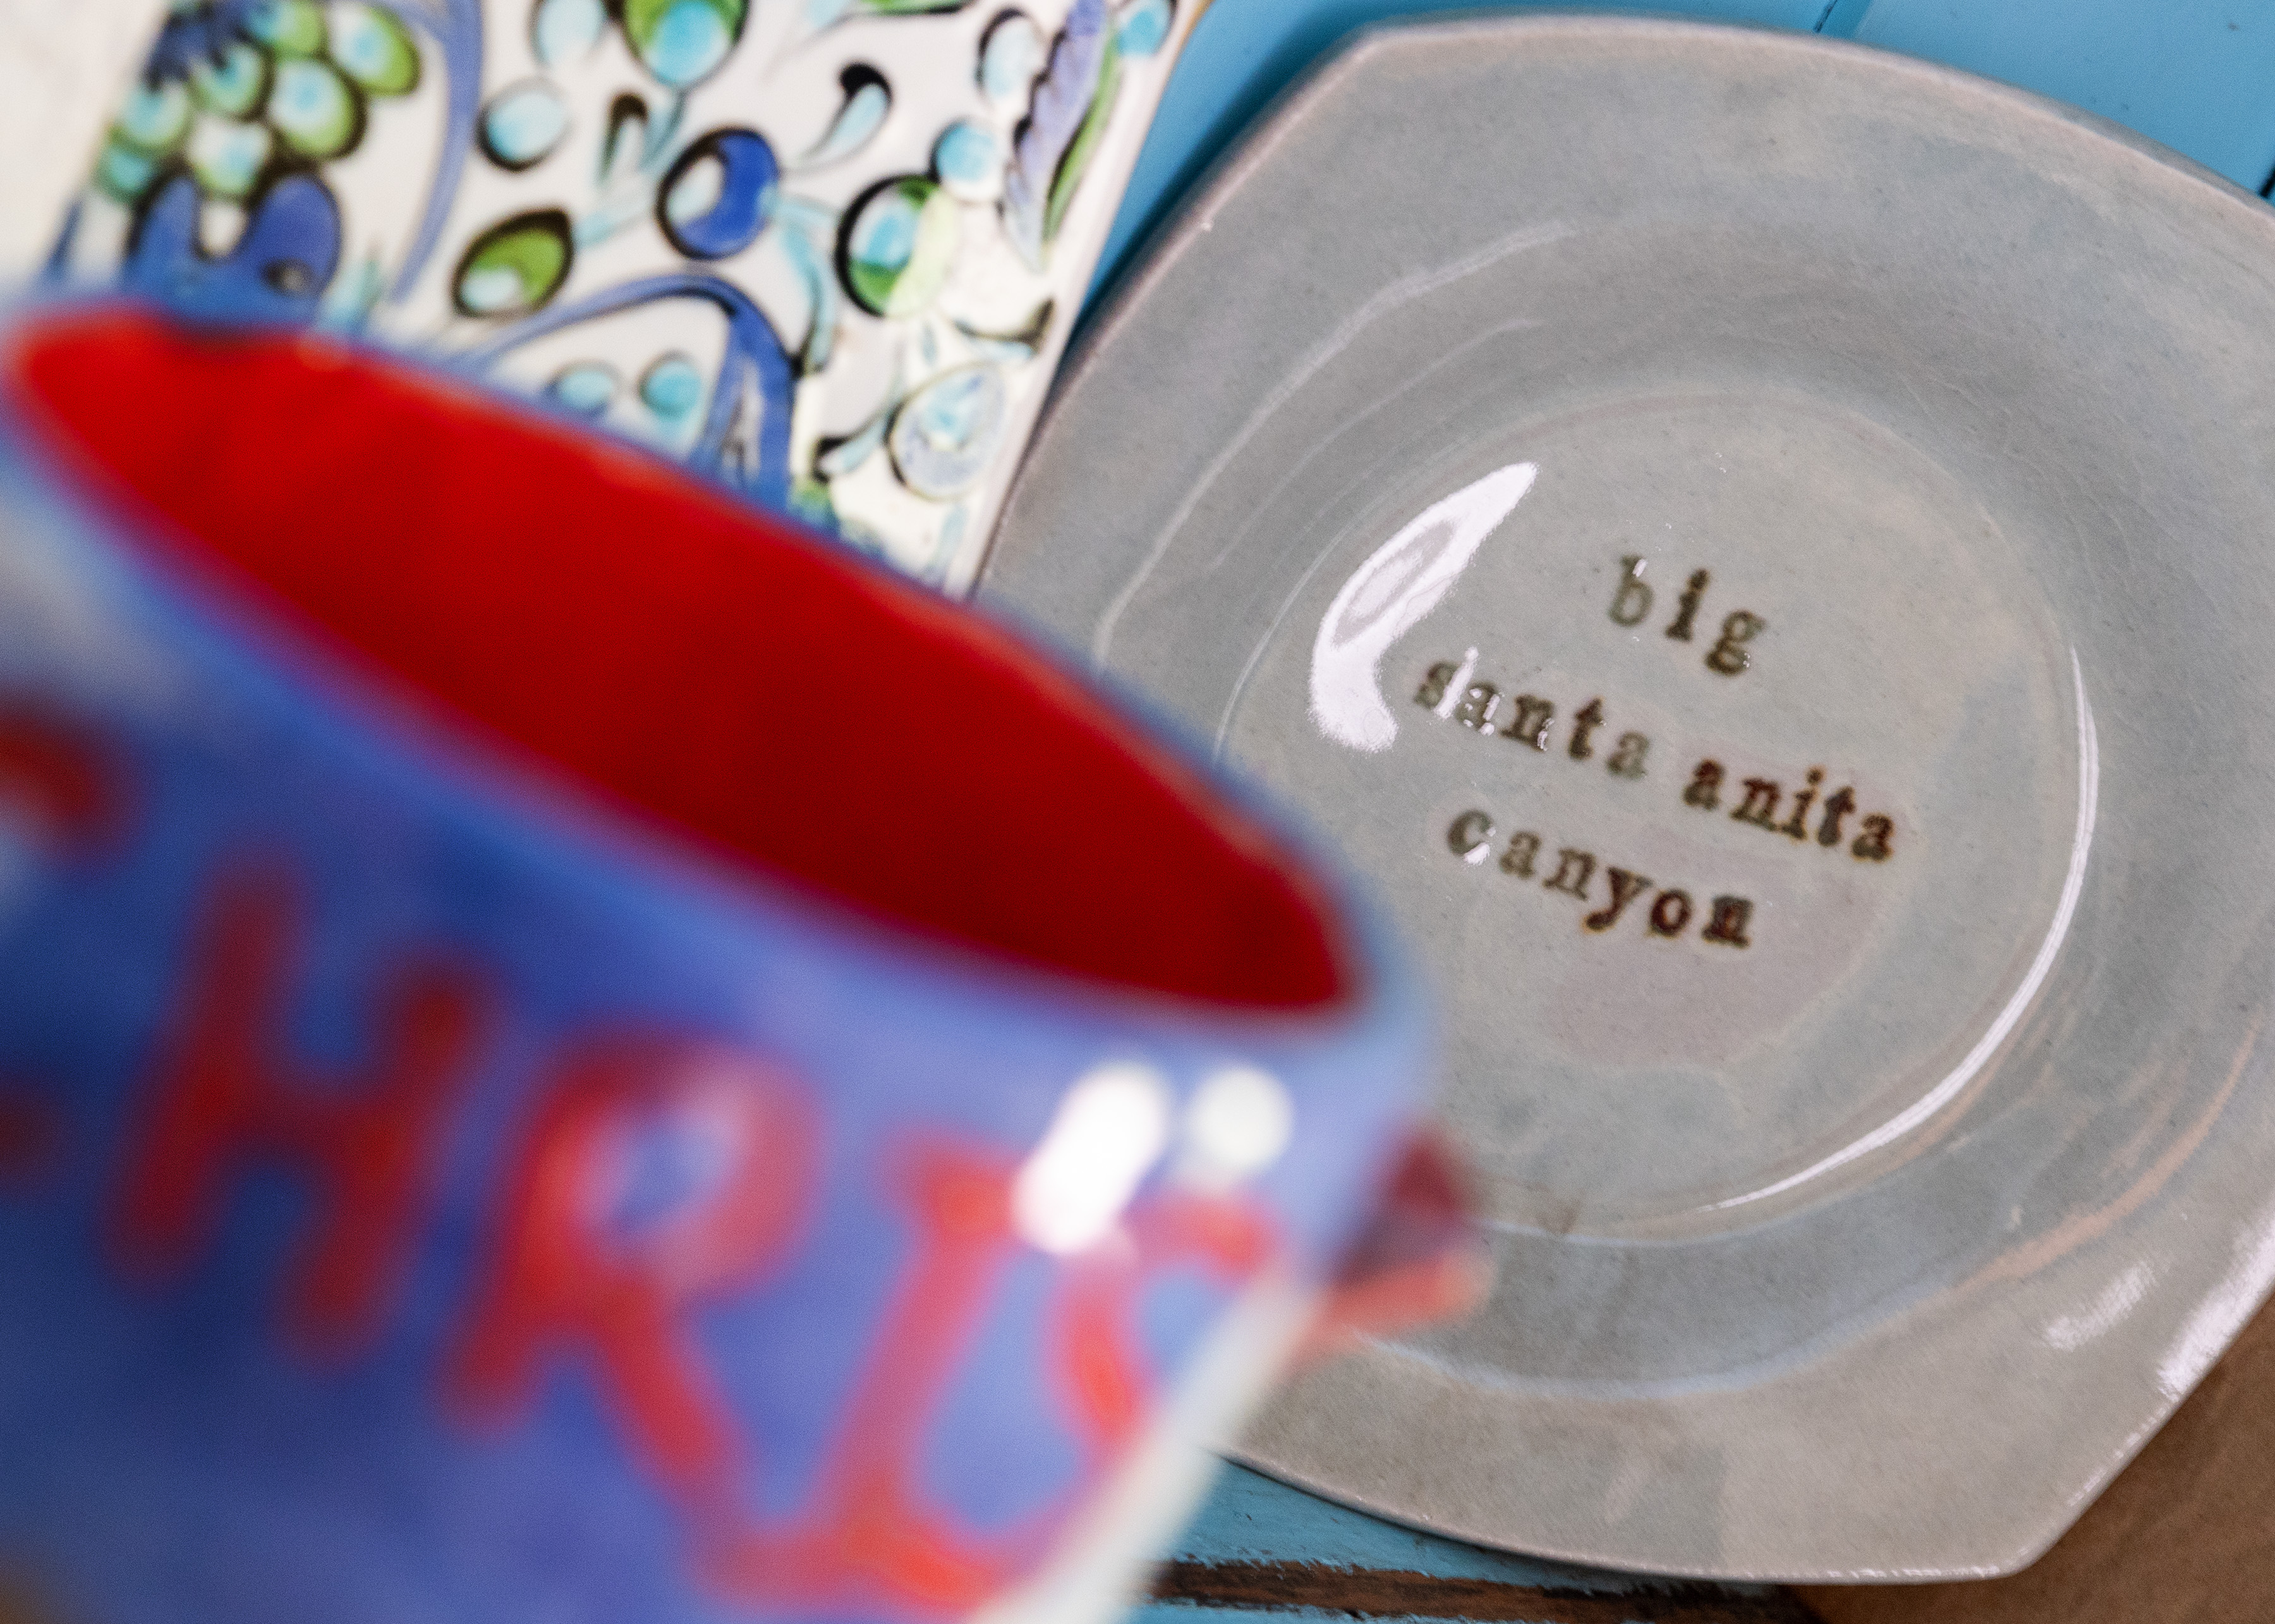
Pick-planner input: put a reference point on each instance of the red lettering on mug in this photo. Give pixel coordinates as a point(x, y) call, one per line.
point(62, 780)
point(1100, 1368)
point(871, 1530)
point(31, 1133)
point(222, 1097)
point(873, 1535)
point(658, 1177)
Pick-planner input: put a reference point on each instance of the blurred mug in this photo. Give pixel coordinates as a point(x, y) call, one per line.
point(567, 1050)
point(827, 249)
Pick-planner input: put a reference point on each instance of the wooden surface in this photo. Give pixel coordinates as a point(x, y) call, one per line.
point(1260, 1550)
point(2186, 1534)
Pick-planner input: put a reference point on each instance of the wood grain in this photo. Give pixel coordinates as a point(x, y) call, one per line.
point(1375, 1593)
point(2186, 1535)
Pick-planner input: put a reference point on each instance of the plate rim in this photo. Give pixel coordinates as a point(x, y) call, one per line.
point(1156, 259)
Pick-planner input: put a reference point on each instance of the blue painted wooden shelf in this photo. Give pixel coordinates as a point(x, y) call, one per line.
point(2197, 75)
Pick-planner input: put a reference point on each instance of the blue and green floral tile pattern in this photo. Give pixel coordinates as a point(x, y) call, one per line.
point(826, 250)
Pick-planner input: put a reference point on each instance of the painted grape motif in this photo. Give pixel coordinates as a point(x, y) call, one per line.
point(215, 188)
point(154, 116)
point(233, 84)
point(240, 105)
point(523, 125)
point(683, 42)
point(718, 195)
point(516, 266)
point(586, 388)
point(312, 109)
point(374, 50)
point(968, 157)
point(672, 387)
point(226, 156)
point(288, 27)
point(899, 244)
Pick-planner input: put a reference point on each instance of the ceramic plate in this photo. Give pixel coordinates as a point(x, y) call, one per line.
point(1762, 547)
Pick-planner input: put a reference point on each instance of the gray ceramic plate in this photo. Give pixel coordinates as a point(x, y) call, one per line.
point(1763, 549)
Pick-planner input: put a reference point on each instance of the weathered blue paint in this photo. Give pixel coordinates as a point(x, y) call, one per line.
point(1244, 52)
point(2198, 75)
point(1842, 18)
point(1190, 1614)
point(1252, 1518)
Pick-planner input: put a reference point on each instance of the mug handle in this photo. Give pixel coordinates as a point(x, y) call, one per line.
point(1419, 1258)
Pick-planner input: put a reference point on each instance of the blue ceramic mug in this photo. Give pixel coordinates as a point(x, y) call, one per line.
point(569, 1051)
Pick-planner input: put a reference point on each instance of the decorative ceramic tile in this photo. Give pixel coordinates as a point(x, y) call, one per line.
point(826, 250)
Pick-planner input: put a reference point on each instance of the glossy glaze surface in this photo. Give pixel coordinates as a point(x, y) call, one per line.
point(1872, 1246)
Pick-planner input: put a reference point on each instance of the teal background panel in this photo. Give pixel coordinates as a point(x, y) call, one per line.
point(2198, 75)
point(1250, 1518)
point(1188, 1613)
point(1244, 52)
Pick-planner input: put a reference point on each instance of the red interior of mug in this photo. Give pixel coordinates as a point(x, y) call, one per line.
point(712, 665)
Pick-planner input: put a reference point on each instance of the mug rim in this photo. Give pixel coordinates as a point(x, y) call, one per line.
point(187, 564)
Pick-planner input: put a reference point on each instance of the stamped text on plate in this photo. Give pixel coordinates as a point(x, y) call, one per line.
point(1449, 689)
